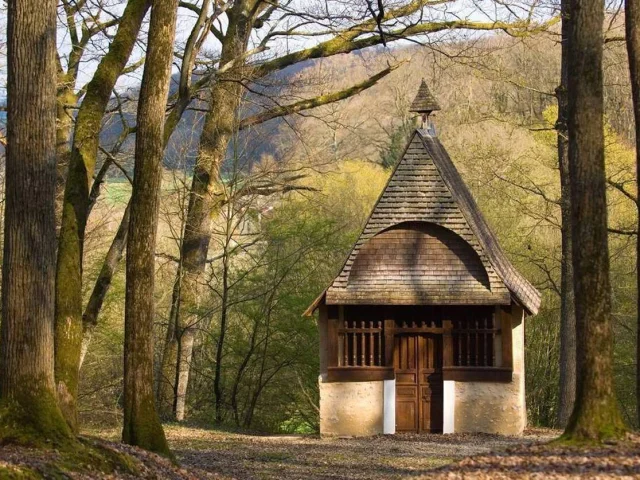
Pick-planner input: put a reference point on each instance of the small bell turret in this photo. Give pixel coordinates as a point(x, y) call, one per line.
point(425, 104)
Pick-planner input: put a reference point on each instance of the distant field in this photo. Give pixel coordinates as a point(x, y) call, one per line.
point(116, 191)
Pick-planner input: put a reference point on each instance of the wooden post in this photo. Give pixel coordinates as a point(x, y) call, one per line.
point(504, 313)
point(447, 344)
point(389, 330)
point(324, 339)
point(332, 337)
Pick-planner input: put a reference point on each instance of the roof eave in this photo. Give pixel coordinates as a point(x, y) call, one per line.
point(315, 304)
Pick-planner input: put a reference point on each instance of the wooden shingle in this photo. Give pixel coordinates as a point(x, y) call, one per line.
point(424, 102)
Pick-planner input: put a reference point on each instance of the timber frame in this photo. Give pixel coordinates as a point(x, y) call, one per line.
point(332, 322)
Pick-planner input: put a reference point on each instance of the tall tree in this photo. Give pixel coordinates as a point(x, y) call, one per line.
point(567, 391)
point(141, 423)
point(595, 415)
point(76, 206)
point(27, 394)
point(632, 26)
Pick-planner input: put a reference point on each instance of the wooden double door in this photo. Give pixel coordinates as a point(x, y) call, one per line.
point(418, 370)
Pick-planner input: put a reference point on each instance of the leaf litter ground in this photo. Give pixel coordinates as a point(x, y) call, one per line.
point(205, 454)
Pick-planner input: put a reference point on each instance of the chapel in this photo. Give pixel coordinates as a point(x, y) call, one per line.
point(422, 330)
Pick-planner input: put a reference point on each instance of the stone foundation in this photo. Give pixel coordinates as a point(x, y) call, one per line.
point(351, 408)
point(490, 407)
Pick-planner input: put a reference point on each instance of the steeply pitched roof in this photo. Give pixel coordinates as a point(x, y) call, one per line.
point(424, 101)
point(404, 262)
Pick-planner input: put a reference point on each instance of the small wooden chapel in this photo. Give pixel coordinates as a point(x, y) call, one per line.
point(423, 328)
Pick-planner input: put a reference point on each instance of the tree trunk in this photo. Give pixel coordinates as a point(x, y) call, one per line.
point(27, 391)
point(185, 353)
point(224, 315)
point(84, 151)
point(141, 423)
point(204, 205)
point(64, 126)
point(595, 416)
point(166, 377)
point(567, 392)
point(632, 23)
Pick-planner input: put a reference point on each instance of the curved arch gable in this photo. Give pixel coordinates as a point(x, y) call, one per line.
point(419, 257)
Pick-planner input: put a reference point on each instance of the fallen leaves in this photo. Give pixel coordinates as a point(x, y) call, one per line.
point(550, 461)
point(290, 457)
point(212, 454)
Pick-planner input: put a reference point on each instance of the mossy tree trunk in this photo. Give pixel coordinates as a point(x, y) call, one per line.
point(64, 126)
point(567, 390)
point(76, 204)
point(595, 416)
point(632, 24)
point(28, 408)
point(141, 423)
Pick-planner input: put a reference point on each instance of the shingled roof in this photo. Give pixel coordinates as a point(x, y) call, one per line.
point(425, 101)
point(426, 243)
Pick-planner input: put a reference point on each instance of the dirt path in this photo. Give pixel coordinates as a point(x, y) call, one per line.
point(303, 457)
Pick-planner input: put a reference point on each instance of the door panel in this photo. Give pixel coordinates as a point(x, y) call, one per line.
point(404, 360)
point(406, 415)
point(430, 372)
point(418, 368)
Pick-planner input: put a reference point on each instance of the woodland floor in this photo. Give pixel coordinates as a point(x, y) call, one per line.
point(290, 457)
point(207, 454)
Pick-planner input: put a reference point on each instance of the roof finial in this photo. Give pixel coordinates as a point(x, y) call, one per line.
point(425, 104)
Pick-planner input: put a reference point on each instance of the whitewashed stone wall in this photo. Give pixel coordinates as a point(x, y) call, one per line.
point(351, 408)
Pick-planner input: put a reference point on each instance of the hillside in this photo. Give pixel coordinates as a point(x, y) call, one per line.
point(497, 83)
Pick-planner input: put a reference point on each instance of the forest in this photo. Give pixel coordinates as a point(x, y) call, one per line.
point(182, 179)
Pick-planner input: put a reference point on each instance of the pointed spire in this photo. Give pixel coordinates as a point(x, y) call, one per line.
point(424, 102)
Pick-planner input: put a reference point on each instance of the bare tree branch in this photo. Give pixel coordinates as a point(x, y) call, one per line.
point(307, 104)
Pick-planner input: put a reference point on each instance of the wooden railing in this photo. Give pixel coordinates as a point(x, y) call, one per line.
point(473, 342)
point(360, 343)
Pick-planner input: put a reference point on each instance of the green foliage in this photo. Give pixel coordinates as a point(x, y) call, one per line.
point(390, 154)
point(269, 374)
